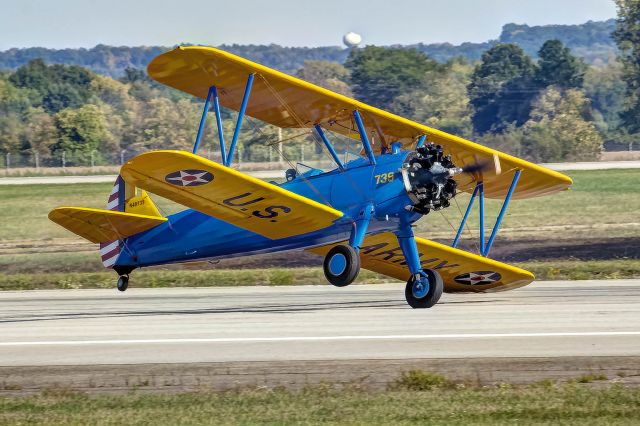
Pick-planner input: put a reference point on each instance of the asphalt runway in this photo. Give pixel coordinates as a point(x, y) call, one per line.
point(88, 327)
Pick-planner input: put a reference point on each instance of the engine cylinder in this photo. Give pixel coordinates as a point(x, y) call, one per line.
point(428, 178)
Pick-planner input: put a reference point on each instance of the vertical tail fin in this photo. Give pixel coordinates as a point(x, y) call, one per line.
point(125, 198)
point(110, 251)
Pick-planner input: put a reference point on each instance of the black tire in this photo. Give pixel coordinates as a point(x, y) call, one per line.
point(123, 282)
point(351, 266)
point(436, 286)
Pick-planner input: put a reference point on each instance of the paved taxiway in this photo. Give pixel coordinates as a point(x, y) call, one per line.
point(545, 319)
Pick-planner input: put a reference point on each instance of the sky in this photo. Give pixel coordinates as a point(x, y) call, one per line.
point(85, 23)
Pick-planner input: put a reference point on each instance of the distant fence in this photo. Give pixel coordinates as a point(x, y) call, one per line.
point(22, 164)
point(64, 159)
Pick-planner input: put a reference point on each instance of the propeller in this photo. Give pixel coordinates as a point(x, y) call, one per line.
point(483, 166)
point(476, 167)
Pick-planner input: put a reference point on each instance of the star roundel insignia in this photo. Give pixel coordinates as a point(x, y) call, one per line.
point(478, 278)
point(189, 177)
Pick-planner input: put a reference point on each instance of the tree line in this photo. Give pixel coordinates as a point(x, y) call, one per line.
point(555, 108)
point(591, 41)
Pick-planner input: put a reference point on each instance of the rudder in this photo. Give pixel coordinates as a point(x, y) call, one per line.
point(129, 199)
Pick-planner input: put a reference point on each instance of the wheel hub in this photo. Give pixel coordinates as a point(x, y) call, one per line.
point(420, 287)
point(337, 264)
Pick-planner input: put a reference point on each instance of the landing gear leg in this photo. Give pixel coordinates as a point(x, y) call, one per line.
point(123, 282)
point(425, 286)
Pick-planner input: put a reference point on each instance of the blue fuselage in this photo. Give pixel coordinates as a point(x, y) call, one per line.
point(191, 235)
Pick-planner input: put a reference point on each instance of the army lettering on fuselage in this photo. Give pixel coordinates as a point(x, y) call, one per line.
point(394, 254)
point(244, 200)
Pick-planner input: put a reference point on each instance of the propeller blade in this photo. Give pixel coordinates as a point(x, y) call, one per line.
point(476, 167)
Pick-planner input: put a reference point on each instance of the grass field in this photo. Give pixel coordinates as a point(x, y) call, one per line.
point(427, 400)
point(599, 201)
point(156, 278)
point(36, 253)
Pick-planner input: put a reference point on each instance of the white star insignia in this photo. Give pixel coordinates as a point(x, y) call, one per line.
point(187, 179)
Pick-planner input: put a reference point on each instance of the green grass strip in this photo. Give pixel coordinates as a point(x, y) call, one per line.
point(451, 405)
point(155, 278)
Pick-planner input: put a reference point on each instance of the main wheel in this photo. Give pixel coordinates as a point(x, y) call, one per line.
point(425, 291)
point(123, 282)
point(341, 265)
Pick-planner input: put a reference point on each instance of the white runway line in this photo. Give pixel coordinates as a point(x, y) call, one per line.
point(318, 338)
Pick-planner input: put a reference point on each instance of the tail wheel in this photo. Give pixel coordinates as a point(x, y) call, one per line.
point(341, 265)
point(123, 282)
point(424, 291)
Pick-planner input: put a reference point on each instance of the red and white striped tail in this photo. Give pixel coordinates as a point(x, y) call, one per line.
point(111, 250)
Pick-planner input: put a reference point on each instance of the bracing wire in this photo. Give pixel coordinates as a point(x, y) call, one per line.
point(466, 228)
point(301, 124)
point(281, 152)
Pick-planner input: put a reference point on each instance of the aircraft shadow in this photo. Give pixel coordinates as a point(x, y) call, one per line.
point(268, 309)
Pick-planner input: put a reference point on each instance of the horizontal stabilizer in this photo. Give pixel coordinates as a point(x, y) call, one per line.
point(227, 194)
point(461, 271)
point(102, 226)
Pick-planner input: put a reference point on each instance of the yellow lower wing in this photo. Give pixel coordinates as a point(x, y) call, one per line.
point(461, 271)
point(227, 194)
point(102, 226)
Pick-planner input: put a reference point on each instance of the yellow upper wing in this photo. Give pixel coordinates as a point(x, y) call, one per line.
point(224, 193)
point(286, 101)
point(102, 226)
point(461, 271)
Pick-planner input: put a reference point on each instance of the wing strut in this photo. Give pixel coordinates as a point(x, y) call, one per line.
point(243, 108)
point(364, 138)
point(216, 107)
point(203, 120)
point(503, 210)
point(479, 191)
point(212, 95)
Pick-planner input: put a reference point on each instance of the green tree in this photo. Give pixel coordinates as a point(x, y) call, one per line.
point(54, 87)
point(509, 141)
point(163, 124)
point(501, 88)
point(606, 89)
point(81, 131)
point(13, 99)
point(380, 74)
point(330, 75)
point(442, 101)
point(40, 132)
point(627, 36)
point(11, 133)
point(560, 128)
point(119, 108)
point(112, 92)
point(14, 102)
point(557, 66)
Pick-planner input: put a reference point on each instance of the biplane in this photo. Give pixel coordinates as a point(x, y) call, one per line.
point(358, 214)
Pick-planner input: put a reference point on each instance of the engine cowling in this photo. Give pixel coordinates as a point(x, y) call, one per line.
point(428, 178)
